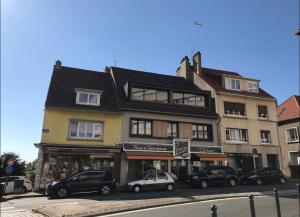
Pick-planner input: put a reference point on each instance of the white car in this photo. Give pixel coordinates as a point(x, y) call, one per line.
point(151, 181)
point(27, 186)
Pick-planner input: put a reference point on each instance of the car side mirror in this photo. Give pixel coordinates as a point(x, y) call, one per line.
point(75, 179)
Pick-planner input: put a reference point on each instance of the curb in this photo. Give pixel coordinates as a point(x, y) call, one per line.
point(20, 197)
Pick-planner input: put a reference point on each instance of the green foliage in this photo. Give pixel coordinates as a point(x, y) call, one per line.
point(30, 170)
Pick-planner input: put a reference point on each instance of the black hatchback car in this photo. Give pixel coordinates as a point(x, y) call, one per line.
point(263, 176)
point(214, 175)
point(86, 181)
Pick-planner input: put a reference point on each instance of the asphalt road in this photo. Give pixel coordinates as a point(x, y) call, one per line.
point(27, 204)
point(239, 207)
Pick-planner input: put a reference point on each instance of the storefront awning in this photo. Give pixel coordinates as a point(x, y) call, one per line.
point(141, 155)
point(211, 157)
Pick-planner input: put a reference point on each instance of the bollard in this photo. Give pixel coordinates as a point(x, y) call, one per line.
point(252, 207)
point(213, 209)
point(298, 190)
point(277, 202)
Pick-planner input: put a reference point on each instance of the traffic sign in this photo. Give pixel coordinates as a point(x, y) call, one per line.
point(9, 169)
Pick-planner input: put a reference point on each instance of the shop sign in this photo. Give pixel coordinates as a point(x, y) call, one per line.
point(147, 147)
point(206, 149)
point(181, 149)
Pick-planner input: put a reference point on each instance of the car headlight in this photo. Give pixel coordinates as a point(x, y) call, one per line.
point(195, 177)
point(252, 177)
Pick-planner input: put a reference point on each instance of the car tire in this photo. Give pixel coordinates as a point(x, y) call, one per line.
point(137, 188)
point(170, 187)
point(62, 193)
point(259, 181)
point(24, 190)
point(232, 182)
point(204, 184)
point(105, 189)
point(282, 180)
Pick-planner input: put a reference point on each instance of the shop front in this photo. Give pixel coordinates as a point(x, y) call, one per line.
point(60, 161)
point(180, 158)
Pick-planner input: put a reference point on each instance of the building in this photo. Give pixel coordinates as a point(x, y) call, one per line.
point(288, 115)
point(167, 123)
point(248, 127)
point(81, 126)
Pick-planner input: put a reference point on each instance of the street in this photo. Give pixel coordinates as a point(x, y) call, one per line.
point(24, 207)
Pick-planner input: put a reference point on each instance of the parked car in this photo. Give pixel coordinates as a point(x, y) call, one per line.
point(263, 176)
point(85, 181)
point(10, 180)
point(213, 175)
point(152, 180)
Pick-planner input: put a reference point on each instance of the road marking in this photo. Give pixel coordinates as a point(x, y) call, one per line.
point(182, 204)
point(10, 211)
point(9, 207)
point(61, 204)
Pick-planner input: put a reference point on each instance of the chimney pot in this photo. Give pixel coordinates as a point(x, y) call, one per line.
point(57, 65)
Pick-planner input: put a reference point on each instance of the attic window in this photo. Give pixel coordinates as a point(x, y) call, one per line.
point(88, 97)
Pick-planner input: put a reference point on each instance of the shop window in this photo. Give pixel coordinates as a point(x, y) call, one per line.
point(265, 137)
point(292, 134)
point(172, 130)
point(85, 97)
point(86, 130)
point(234, 109)
point(236, 135)
point(262, 111)
point(139, 127)
point(202, 132)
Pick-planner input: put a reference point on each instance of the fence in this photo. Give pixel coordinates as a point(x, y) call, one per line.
point(214, 208)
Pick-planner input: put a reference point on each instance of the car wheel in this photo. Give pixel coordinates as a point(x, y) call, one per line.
point(62, 193)
point(137, 188)
point(282, 180)
point(259, 182)
point(232, 182)
point(24, 190)
point(170, 187)
point(204, 184)
point(105, 190)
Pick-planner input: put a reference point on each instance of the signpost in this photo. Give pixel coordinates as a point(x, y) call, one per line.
point(254, 155)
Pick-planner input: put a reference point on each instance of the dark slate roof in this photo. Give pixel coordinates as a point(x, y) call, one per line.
point(62, 93)
point(123, 76)
point(214, 78)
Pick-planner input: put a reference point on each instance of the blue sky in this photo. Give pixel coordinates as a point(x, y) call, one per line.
point(255, 38)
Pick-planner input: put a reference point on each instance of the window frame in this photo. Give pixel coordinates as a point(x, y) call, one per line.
point(297, 133)
point(177, 129)
point(270, 138)
point(94, 123)
point(209, 132)
point(266, 115)
point(229, 86)
point(235, 115)
point(240, 135)
point(145, 128)
point(88, 92)
point(195, 95)
point(144, 88)
point(252, 83)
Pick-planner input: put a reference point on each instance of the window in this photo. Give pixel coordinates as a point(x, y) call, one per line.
point(292, 134)
point(86, 130)
point(238, 135)
point(162, 176)
point(172, 129)
point(265, 136)
point(253, 87)
point(235, 109)
point(140, 127)
point(232, 84)
point(88, 98)
point(262, 111)
point(188, 99)
point(202, 132)
point(151, 95)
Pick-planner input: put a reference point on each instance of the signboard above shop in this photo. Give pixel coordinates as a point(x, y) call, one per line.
point(147, 147)
point(181, 149)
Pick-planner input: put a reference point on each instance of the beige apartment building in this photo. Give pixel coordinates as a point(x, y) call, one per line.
point(248, 126)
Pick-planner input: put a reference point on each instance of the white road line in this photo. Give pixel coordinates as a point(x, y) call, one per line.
point(12, 211)
point(8, 207)
point(61, 204)
point(182, 204)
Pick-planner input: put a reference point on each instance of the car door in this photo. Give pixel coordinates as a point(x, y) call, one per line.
point(222, 175)
point(162, 180)
point(78, 183)
point(149, 181)
point(276, 175)
point(266, 175)
point(212, 176)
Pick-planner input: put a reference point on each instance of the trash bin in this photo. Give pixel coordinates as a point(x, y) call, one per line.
point(2, 187)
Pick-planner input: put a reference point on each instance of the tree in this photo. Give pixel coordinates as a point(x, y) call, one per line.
point(18, 166)
point(30, 170)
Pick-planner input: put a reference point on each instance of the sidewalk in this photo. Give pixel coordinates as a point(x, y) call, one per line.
point(97, 208)
point(21, 195)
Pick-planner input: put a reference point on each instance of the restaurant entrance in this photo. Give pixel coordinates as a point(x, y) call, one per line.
point(180, 169)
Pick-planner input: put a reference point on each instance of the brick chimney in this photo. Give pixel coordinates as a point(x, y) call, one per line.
point(184, 70)
point(57, 65)
point(197, 63)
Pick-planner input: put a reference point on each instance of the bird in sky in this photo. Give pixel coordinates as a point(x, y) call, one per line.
point(197, 23)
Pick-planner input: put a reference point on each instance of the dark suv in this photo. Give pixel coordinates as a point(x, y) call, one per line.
point(263, 175)
point(86, 181)
point(214, 175)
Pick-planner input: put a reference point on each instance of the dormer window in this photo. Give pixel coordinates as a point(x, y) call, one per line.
point(253, 87)
point(88, 97)
point(232, 84)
